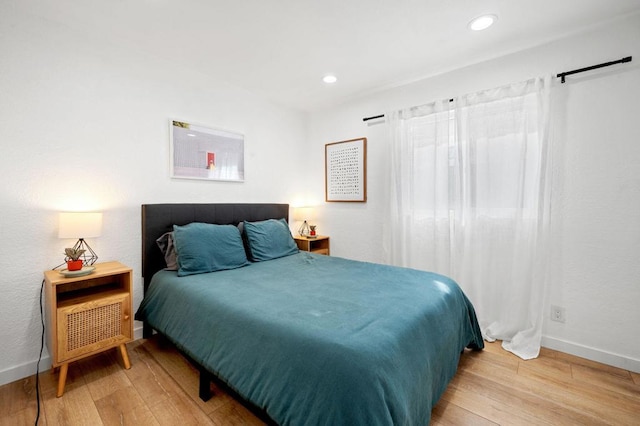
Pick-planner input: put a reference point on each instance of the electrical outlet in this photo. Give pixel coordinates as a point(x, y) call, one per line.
point(558, 314)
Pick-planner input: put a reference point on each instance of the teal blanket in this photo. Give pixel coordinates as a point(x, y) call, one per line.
point(318, 340)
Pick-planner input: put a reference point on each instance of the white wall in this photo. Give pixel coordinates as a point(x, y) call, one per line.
point(596, 268)
point(84, 125)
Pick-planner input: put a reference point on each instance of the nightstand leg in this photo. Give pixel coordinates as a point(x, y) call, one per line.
point(62, 379)
point(125, 356)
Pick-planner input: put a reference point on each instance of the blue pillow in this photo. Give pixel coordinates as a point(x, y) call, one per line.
point(269, 239)
point(204, 247)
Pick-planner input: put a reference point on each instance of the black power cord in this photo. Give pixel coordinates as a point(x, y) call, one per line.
point(39, 357)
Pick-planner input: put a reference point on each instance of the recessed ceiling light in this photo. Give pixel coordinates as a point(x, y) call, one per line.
point(482, 22)
point(330, 78)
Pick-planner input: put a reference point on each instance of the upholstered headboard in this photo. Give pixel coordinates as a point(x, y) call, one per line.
point(160, 218)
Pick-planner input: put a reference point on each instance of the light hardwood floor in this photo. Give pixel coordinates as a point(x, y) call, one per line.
point(491, 387)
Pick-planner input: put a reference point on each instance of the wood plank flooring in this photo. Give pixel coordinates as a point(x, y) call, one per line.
point(492, 387)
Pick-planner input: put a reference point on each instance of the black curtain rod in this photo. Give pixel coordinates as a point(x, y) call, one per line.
point(382, 115)
point(373, 118)
point(562, 75)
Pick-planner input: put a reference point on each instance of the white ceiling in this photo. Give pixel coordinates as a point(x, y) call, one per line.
point(281, 49)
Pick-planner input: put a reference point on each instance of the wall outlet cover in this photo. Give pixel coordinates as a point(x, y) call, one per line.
point(558, 313)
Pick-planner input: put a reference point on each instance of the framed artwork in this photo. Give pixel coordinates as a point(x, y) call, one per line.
point(206, 153)
point(345, 170)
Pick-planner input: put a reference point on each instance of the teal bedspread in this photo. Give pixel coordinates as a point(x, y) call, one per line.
point(318, 340)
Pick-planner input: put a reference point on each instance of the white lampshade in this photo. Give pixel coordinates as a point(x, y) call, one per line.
point(303, 213)
point(80, 225)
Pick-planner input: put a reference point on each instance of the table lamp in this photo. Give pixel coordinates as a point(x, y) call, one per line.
point(81, 225)
point(303, 214)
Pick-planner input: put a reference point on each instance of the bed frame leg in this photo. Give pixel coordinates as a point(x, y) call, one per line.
point(147, 331)
point(205, 385)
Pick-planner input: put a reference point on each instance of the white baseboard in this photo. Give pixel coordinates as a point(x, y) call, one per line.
point(23, 370)
point(137, 333)
point(598, 355)
point(29, 368)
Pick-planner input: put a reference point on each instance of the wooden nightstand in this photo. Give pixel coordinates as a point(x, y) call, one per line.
point(317, 245)
point(88, 314)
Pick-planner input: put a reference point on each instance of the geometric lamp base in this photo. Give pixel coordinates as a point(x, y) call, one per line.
point(89, 256)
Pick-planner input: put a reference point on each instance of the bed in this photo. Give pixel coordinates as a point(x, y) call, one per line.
point(306, 338)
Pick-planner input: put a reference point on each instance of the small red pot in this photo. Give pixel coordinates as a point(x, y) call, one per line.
point(74, 265)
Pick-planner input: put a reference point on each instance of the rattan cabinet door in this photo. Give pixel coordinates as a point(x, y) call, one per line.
point(90, 326)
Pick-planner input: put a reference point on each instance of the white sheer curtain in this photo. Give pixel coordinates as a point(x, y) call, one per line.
point(470, 198)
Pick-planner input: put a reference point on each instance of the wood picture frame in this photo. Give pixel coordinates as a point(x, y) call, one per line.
point(345, 171)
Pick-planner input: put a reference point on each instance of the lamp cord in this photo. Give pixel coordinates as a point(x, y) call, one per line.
point(39, 357)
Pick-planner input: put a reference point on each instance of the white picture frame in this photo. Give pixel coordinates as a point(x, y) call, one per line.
point(205, 153)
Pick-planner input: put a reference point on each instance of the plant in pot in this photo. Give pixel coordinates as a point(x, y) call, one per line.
point(74, 263)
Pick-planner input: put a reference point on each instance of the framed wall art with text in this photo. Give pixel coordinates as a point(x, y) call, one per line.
point(345, 170)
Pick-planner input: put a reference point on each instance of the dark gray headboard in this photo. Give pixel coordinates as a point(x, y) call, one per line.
point(160, 218)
